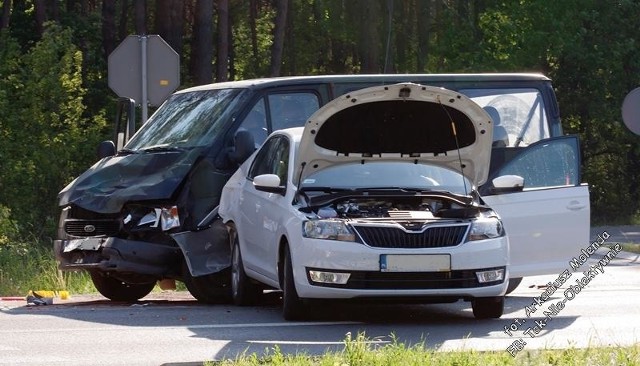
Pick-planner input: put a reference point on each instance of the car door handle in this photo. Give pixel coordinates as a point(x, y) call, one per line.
point(575, 206)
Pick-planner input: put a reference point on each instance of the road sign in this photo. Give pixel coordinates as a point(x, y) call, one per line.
point(144, 68)
point(631, 111)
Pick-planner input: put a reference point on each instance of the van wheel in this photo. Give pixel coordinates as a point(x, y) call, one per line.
point(513, 283)
point(213, 288)
point(116, 290)
point(243, 291)
point(292, 305)
point(488, 307)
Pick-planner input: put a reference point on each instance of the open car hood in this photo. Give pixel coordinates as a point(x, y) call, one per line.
point(400, 122)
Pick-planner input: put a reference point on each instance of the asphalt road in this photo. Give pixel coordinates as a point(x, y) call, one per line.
point(171, 328)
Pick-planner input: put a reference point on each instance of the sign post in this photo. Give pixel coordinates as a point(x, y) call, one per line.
point(144, 68)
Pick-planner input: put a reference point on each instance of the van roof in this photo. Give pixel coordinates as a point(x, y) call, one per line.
point(372, 78)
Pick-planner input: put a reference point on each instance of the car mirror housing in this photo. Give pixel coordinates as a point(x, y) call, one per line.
point(269, 183)
point(508, 183)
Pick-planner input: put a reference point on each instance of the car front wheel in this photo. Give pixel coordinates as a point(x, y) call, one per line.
point(488, 307)
point(243, 291)
point(116, 290)
point(292, 305)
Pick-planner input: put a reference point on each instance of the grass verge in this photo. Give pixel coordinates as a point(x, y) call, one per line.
point(33, 267)
point(24, 268)
point(360, 351)
point(627, 247)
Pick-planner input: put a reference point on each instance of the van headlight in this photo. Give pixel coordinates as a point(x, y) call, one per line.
point(164, 218)
point(327, 229)
point(486, 228)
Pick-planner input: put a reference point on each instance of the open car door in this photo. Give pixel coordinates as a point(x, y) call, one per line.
point(548, 221)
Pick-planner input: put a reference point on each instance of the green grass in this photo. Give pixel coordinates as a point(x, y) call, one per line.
point(33, 267)
point(627, 247)
point(632, 248)
point(24, 268)
point(360, 351)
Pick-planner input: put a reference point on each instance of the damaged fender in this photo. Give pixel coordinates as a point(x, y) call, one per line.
point(205, 251)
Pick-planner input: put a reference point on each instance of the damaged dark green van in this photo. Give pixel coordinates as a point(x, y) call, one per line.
point(148, 211)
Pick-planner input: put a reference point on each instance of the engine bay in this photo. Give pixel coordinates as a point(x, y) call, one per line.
point(413, 207)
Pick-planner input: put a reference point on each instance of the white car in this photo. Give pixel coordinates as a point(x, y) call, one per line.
point(374, 197)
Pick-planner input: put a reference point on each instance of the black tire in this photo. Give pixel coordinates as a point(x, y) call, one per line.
point(243, 290)
point(488, 307)
point(292, 304)
point(116, 290)
point(513, 283)
point(213, 288)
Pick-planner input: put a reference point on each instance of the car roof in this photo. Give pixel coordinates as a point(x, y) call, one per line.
point(371, 78)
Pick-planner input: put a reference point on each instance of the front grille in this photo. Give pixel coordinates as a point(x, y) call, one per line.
point(86, 228)
point(396, 237)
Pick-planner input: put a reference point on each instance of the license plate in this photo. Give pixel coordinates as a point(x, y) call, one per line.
point(415, 263)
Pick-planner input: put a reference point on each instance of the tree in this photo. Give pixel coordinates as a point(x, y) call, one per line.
point(202, 44)
point(169, 22)
point(108, 26)
point(140, 14)
point(369, 21)
point(6, 14)
point(47, 89)
point(278, 37)
point(222, 59)
point(423, 26)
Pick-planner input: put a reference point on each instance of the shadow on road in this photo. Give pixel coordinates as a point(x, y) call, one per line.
point(258, 329)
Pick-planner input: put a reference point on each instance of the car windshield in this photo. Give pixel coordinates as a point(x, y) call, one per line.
point(384, 175)
point(186, 120)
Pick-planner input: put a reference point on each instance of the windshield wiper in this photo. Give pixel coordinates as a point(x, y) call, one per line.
point(324, 189)
point(126, 152)
point(162, 148)
point(410, 189)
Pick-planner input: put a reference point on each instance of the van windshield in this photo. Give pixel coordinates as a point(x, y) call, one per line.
point(186, 120)
point(518, 114)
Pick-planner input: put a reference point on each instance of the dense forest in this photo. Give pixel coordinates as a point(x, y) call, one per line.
point(55, 104)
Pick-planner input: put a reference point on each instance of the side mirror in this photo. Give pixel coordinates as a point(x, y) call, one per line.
point(244, 146)
point(507, 183)
point(105, 149)
point(268, 183)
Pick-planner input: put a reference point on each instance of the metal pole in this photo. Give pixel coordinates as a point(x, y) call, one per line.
point(143, 102)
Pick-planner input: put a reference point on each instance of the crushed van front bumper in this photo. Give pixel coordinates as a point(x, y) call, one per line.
point(116, 255)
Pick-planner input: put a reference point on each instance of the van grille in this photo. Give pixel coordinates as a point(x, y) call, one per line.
point(87, 228)
point(395, 237)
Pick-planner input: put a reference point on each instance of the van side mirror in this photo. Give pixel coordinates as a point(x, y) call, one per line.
point(105, 149)
point(244, 146)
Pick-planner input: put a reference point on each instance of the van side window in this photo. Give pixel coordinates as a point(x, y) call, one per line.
point(291, 109)
point(519, 115)
point(256, 123)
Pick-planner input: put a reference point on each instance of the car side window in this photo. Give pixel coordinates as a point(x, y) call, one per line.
point(273, 158)
point(291, 109)
point(547, 163)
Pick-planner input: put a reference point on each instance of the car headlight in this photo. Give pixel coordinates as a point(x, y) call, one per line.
point(327, 229)
point(486, 228)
